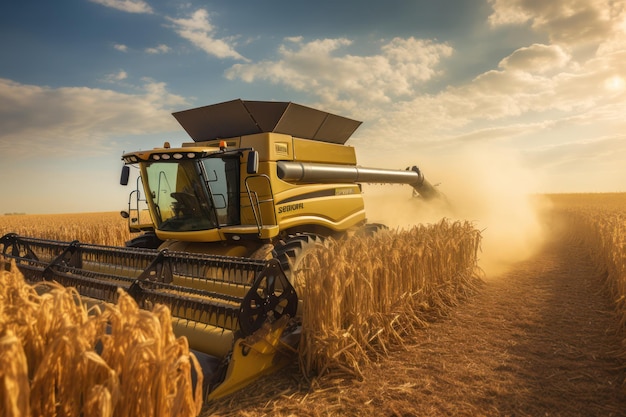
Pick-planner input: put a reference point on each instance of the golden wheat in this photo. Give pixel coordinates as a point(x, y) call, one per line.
point(14, 386)
point(96, 228)
point(362, 295)
point(50, 367)
point(365, 293)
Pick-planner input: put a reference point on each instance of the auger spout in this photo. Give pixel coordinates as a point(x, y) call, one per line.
point(304, 172)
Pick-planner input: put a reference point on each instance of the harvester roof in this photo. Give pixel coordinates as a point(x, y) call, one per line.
point(243, 117)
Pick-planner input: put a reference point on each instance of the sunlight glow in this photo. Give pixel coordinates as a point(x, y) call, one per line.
point(615, 83)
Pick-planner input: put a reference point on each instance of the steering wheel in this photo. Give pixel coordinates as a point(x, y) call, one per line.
point(187, 203)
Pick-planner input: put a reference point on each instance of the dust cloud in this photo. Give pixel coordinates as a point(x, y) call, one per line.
point(490, 189)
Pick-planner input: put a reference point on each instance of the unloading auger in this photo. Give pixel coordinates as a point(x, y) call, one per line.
point(226, 222)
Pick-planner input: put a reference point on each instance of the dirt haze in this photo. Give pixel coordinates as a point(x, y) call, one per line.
point(492, 189)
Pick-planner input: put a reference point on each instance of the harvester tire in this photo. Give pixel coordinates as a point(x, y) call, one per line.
point(370, 229)
point(292, 250)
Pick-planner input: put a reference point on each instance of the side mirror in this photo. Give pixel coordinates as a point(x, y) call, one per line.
point(253, 162)
point(124, 214)
point(125, 175)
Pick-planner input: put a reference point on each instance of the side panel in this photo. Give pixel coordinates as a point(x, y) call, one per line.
point(278, 147)
point(270, 146)
point(334, 206)
point(314, 151)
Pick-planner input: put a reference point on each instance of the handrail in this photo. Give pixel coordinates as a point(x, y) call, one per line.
point(255, 203)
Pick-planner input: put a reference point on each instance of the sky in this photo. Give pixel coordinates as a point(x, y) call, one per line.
point(531, 86)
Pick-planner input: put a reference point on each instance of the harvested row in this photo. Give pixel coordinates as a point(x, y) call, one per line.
point(599, 222)
point(58, 358)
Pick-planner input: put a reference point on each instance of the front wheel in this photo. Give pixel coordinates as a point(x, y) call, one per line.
point(292, 251)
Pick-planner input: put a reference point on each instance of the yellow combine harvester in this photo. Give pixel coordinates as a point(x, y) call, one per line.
point(231, 215)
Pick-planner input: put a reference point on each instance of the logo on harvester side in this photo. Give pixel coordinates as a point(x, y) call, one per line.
point(290, 207)
point(344, 191)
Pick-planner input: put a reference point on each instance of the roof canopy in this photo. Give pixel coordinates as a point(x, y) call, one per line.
point(243, 117)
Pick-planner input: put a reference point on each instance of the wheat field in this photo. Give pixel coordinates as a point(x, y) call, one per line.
point(420, 272)
point(361, 295)
point(57, 358)
point(107, 228)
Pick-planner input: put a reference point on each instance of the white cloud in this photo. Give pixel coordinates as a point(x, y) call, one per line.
point(319, 67)
point(79, 118)
point(562, 113)
point(200, 32)
point(540, 93)
point(161, 49)
point(497, 106)
point(129, 6)
point(121, 47)
point(565, 21)
point(118, 76)
point(537, 58)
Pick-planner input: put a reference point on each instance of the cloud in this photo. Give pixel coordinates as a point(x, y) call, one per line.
point(565, 21)
point(318, 67)
point(118, 76)
point(129, 6)
point(200, 32)
point(538, 94)
point(537, 58)
point(120, 47)
point(161, 49)
point(60, 120)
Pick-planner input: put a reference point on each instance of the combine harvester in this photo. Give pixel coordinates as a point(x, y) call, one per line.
point(231, 216)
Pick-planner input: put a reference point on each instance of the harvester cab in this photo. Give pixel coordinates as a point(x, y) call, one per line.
point(225, 222)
